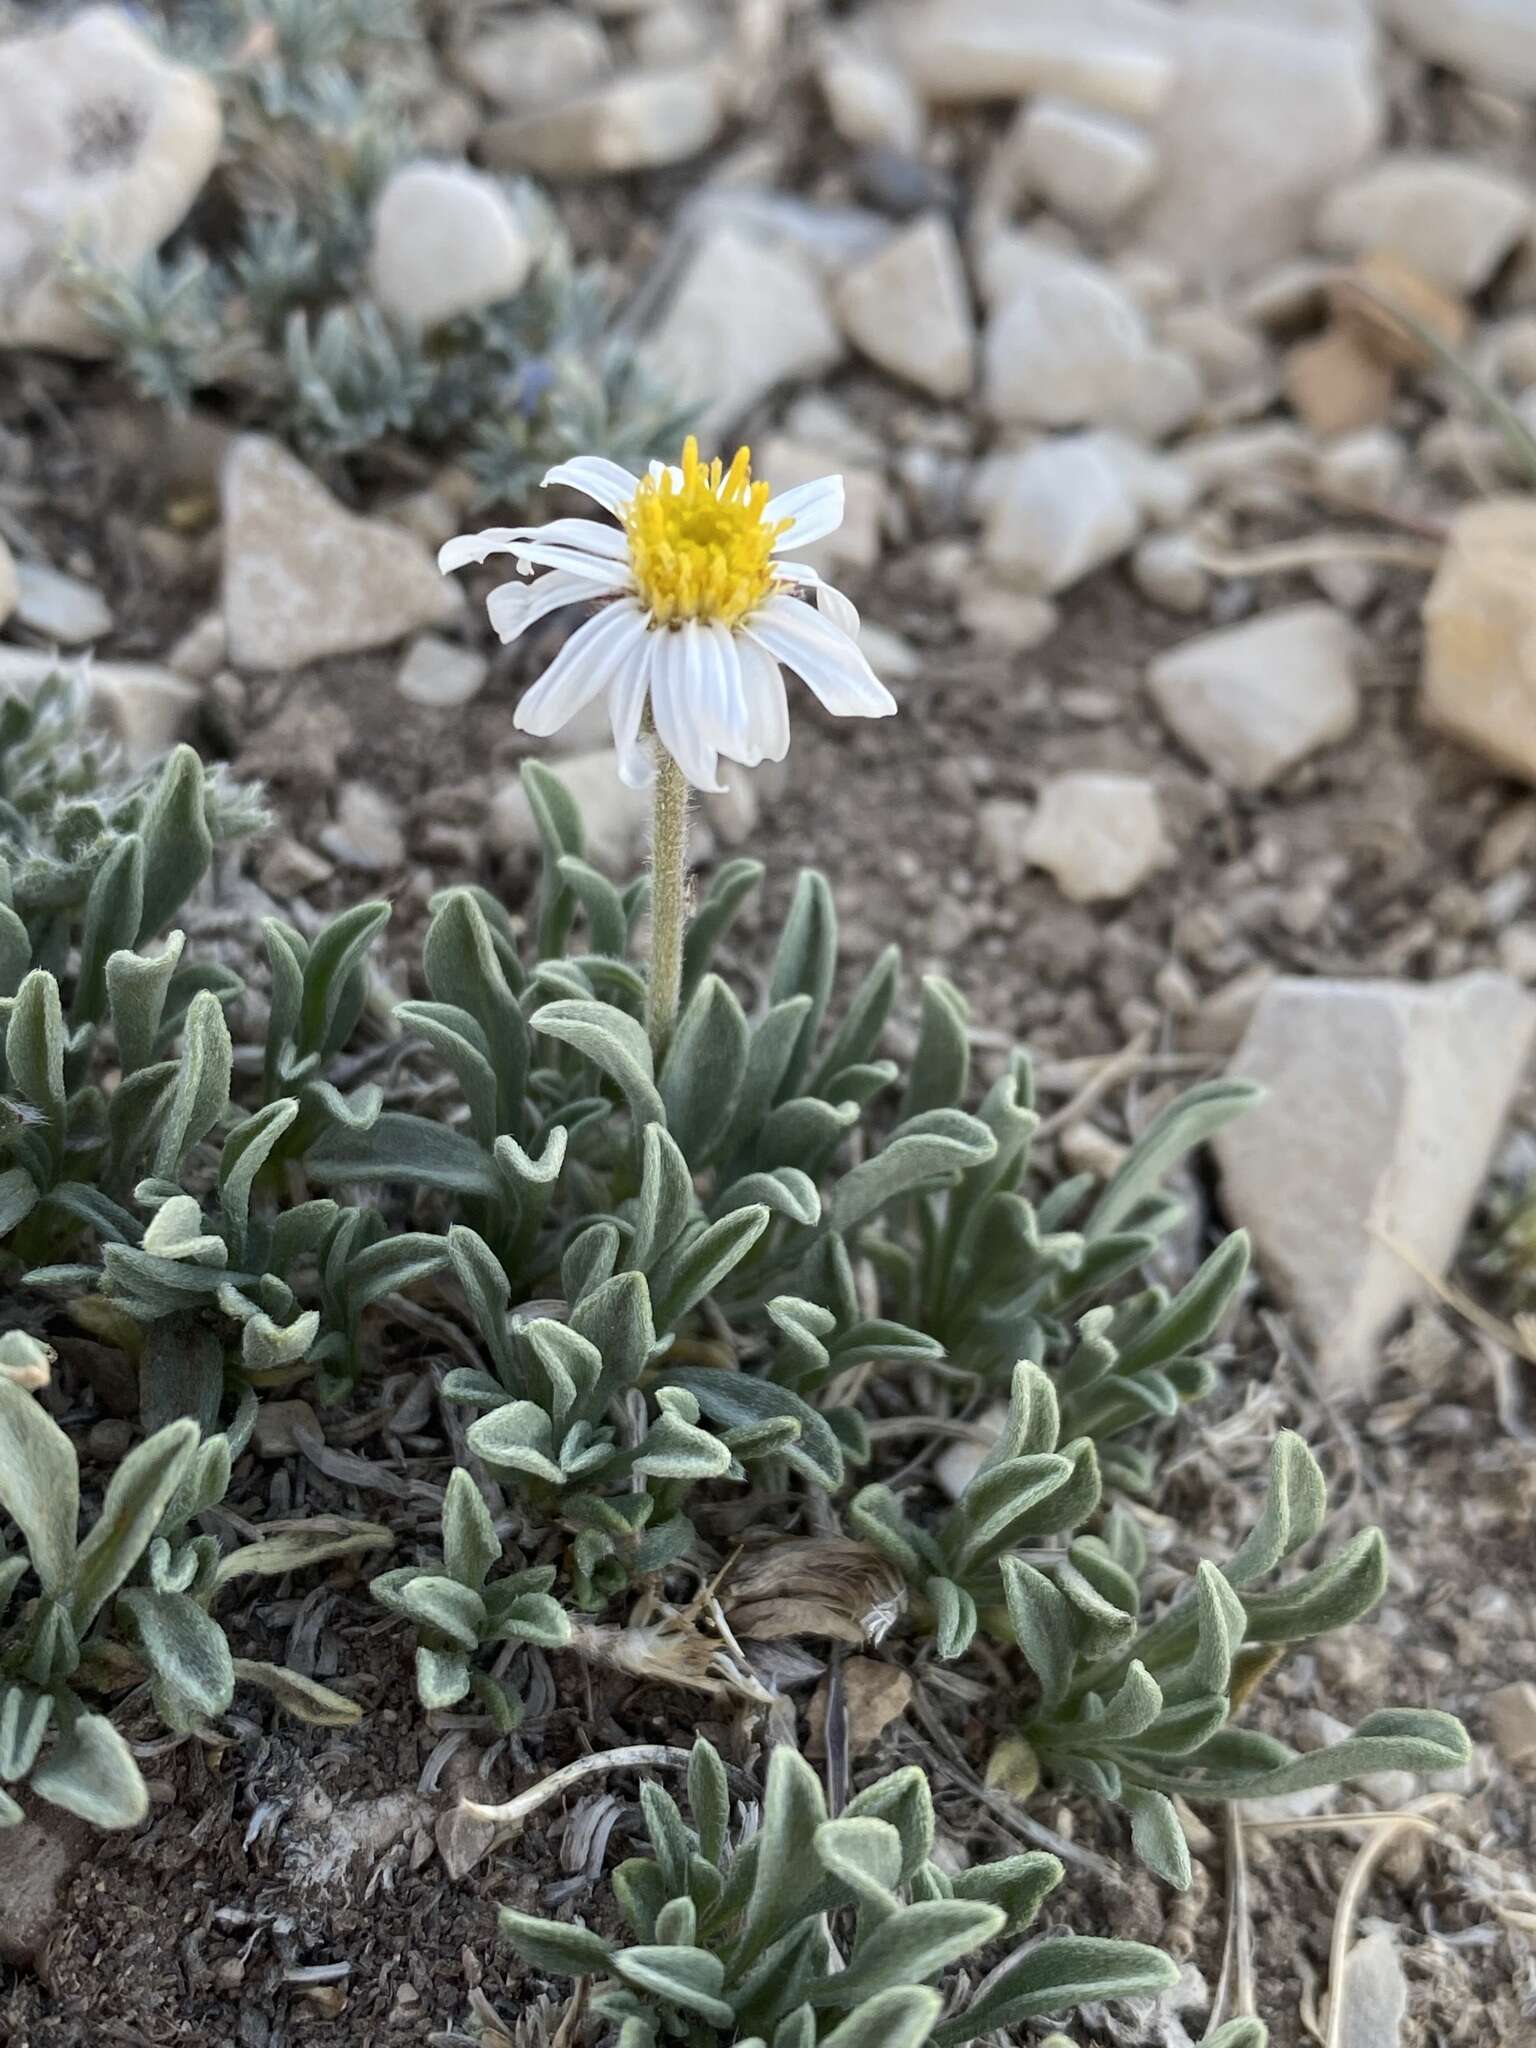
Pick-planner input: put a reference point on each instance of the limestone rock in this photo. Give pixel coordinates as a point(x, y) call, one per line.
point(615, 816)
point(1512, 1716)
point(59, 608)
point(365, 833)
point(1166, 392)
point(1479, 677)
point(1263, 120)
point(532, 58)
point(1063, 348)
point(871, 101)
point(1491, 42)
point(1099, 835)
point(638, 122)
point(147, 707)
point(1116, 54)
point(1454, 222)
point(1253, 700)
point(1373, 1998)
point(1089, 167)
point(446, 241)
point(440, 675)
point(1384, 1103)
point(1056, 512)
point(908, 308)
point(745, 317)
point(1167, 568)
point(305, 578)
point(104, 145)
point(1007, 618)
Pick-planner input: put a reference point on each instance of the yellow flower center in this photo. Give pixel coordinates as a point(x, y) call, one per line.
point(700, 547)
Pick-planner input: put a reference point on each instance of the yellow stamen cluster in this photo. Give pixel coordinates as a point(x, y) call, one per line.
point(701, 548)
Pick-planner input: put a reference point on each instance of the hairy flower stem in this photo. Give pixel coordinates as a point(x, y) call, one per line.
point(669, 897)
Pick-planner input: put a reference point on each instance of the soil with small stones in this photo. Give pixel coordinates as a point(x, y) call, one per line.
point(295, 1885)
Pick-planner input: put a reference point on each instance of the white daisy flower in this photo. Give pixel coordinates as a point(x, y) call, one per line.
point(698, 609)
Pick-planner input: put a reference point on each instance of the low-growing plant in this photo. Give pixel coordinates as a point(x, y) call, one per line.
point(129, 1602)
point(818, 1930)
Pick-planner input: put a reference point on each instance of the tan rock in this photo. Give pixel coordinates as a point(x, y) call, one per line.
point(1336, 384)
point(1387, 278)
point(1479, 675)
point(305, 578)
point(1383, 1106)
point(908, 308)
point(1512, 1717)
point(1117, 54)
point(538, 55)
point(1452, 220)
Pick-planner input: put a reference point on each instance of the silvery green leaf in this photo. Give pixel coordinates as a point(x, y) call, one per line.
point(25, 1713)
point(486, 1291)
point(178, 845)
point(941, 1065)
point(894, 2019)
point(191, 1672)
point(857, 1038)
point(34, 1053)
point(451, 1033)
point(709, 1799)
point(864, 1855)
point(686, 1979)
point(705, 1065)
point(181, 1372)
point(730, 887)
point(1294, 1509)
point(516, 1438)
point(1238, 2034)
point(114, 912)
point(18, 1198)
point(442, 1677)
point(297, 1547)
point(1417, 1739)
point(571, 1365)
point(1019, 1885)
point(26, 1361)
point(915, 1943)
point(15, 951)
point(201, 1091)
point(1131, 1710)
point(954, 1618)
point(878, 1517)
point(554, 1947)
point(11, 1815)
point(1000, 1505)
point(1157, 1836)
point(1056, 1975)
point(615, 1317)
point(305, 1698)
point(786, 1192)
point(175, 1231)
point(804, 1133)
point(333, 976)
point(1196, 1311)
point(1041, 1618)
point(677, 1924)
point(137, 1496)
point(674, 1447)
point(688, 1273)
point(736, 1400)
point(615, 1044)
point(793, 1809)
point(470, 1544)
point(392, 1264)
point(557, 817)
point(464, 966)
point(39, 1486)
point(246, 1150)
point(774, 1038)
point(804, 965)
point(929, 1150)
point(607, 925)
point(665, 1201)
point(1333, 1594)
point(1196, 1115)
point(91, 1773)
point(268, 1347)
point(531, 1618)
point(435, 1602)
point(589, 1260)
point(1221, 1622)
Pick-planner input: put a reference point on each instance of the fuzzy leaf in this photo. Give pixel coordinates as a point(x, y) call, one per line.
point(90, 1772)
point(1157, 1836)
point(178, 845)
point(305, 1698)
point(1196, 1115)
point(688, 1979)
point(140, 1491)
point(704, 1068)
point(737, 1400)
point(554, 1947)
point(804, 965)
point(685, 1276)
point(895, 2019)
point(39, 1486)
point(470, 1545)
point(1056, 1975)
point(928, 1151)
point(413, 1149)
point(187, 1654)
point(201, 1091)
point(615, 1044)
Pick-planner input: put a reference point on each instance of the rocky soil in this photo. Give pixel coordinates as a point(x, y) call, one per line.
point(1208, 596)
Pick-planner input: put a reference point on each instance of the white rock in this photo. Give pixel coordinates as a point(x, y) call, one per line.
point(304, 578)
point(871, 101)
point(1452, 220)
point(201, 650)
point(1479, 672)
point(1166, 392)
point(59, 608)
point(958, 1463)
point(638, 122)
point(1384, 1103)
point(1117, 54)
point(1007, 618)
point(1167, 568)
point(908, 308)
point(744, 318)
point(787, 463)
point(439, 674)
point(1492, 42)
point(1367, 467)
point(146, 706)
point(1064, 347)
point(1089, 167)
point(1373, 1998)
point(1161, 488)
point(446, 241)
point(1263, 120)
point(893, 658)
point(104, 145)
point(615, 816)
point(533, 58)
point(1253, 700)
point(1056, 512)
point(366, 833)
point(1512, 1717)
point(676, 34)
point(9, 585)
point(1100, 836)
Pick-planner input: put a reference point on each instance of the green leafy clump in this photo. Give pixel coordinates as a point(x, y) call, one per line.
point(130, 1601)
point(815, 1930)
point(271, 310)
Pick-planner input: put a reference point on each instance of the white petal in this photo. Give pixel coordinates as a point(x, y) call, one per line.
point(537, 554)
point(762, 686)
point(591, 536)
point(814, 510)
point(596, 477)
point(514, 607)
point(675, 706)
point(824, 658)
point(626, 706)
point(839, 607)
point(474, 547)
point(733, 721)
point(585, 665)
